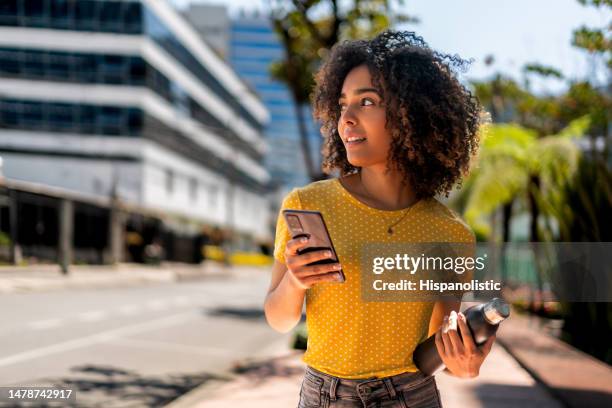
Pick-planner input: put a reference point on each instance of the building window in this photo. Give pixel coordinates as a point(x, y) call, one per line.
point(35, 13)
point(133, 18)
point(8, 12)
point(111, 119)
point(34, 64)
point(110, 15)
point(135, 121)
point(62, 117)
point(58, 66)
point(112, 69)
point(86, 14)
point(61, 14)
point(32, 115)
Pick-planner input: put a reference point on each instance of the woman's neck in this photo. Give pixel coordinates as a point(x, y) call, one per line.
point(386, 188)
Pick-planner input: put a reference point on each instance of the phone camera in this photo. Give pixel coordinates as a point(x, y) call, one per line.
point(294, 223)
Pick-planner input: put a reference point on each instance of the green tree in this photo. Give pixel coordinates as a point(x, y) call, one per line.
point(515, 163)
point(595, 41)
point(586, 216)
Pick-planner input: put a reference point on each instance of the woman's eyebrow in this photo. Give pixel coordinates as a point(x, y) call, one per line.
point(361, 91)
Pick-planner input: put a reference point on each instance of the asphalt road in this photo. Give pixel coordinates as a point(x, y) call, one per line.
point(133, 347)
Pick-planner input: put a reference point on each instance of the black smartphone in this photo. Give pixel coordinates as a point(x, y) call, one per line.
point(311, 223)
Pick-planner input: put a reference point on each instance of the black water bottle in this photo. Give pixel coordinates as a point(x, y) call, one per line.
point(483, 321)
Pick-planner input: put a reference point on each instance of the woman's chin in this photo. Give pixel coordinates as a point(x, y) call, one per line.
point(356, 162)
point(359, 161)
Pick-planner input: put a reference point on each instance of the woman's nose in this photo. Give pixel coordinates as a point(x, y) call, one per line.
point(348, 116)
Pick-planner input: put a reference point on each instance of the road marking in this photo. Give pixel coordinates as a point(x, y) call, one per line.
point(45, 324)
point(96, 338)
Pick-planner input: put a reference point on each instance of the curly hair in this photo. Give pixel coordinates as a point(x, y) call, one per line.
point(432, 118)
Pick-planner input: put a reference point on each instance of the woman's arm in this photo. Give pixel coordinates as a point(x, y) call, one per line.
point(283, 304)
point(290, 280)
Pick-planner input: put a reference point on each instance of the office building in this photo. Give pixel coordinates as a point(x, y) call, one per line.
point(123, 98)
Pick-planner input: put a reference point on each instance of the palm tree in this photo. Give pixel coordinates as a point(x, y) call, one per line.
point(514, 163)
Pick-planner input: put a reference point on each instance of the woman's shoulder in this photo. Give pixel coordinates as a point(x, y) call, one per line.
point(450, 219)
point(317, 189)
point(315, 192)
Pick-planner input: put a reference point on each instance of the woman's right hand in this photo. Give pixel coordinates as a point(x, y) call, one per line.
point(303, 275)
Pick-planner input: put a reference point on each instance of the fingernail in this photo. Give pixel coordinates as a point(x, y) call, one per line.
point(338, 266)
point(303, 239)
point(338, 276)
point(327, 253)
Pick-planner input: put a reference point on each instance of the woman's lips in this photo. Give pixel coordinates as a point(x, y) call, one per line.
point(352, 138)
point(355, 143)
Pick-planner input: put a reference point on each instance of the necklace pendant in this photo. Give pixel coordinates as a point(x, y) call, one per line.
point(390, 230)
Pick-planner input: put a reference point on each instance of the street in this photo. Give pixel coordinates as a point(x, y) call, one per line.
point(138, 346)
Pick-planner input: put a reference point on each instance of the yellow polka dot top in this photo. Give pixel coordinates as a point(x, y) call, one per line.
point(348, 337)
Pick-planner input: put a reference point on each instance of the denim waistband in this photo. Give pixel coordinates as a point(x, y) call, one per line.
point(378, 385)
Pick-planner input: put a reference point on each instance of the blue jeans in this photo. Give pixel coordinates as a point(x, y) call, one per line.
point(406, 390)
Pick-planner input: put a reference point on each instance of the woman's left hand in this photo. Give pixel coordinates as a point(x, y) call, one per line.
point(461, 355)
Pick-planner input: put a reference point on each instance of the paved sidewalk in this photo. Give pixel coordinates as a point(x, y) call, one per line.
point(275, 383)
point(15, 279)
point(574, 377)
point(526, 368)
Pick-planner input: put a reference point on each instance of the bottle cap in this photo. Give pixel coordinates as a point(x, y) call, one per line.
point(496, 310)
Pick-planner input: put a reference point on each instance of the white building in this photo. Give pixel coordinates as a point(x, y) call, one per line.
point(102, 96)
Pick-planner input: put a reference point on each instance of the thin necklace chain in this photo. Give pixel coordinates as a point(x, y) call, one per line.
point(406, 211)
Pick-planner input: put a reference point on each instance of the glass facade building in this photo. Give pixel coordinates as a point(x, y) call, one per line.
point(123, 17)
point(253, 48)
point(128, 70)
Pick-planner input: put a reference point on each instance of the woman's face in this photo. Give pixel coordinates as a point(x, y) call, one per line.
point(362, 120)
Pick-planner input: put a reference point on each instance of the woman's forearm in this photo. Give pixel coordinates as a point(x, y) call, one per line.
point(283, 305)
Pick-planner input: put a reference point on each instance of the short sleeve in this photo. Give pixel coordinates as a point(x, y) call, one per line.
point(467, 250)
point(292, 202)
point(462, 248)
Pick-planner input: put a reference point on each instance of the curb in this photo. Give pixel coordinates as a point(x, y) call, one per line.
point(49, 278)
point(585, 381)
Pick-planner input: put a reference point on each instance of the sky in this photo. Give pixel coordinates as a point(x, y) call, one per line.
point(515, 32)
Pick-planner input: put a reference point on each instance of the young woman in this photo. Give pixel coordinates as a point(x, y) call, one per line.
point(400, 129)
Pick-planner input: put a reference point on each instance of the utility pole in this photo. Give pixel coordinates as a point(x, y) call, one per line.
point(116, 228)
point(66, 234)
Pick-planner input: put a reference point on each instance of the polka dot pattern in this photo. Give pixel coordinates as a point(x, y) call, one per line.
point(348, 337)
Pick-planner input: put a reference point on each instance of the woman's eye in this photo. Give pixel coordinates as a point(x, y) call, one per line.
point(342, 106)
point(367, 102)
